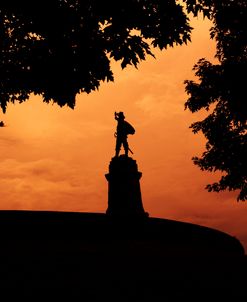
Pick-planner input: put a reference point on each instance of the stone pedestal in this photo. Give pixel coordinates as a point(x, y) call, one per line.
point(124, 192)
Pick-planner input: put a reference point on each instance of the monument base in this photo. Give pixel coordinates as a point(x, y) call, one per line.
point(124, 191)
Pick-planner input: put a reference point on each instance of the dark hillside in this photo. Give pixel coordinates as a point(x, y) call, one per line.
point(93, 257)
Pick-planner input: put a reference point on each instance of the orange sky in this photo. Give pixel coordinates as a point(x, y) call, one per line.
point(55, 158)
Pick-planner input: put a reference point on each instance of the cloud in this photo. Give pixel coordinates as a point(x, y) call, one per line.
point(160, 106)
point(45, 184)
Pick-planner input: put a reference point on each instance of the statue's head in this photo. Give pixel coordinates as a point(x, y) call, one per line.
point(121, 115)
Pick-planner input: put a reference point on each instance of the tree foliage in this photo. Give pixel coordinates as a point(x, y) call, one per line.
point(221, 89)
point(58, 48)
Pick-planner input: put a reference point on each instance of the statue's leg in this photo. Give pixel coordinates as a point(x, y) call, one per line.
point(126, 146)
point(118, 147)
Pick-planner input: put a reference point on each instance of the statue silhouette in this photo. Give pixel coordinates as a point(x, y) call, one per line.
point(123, 130)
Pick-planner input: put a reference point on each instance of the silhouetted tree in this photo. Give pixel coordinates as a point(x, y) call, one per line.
point(58, 48)
point(221, 90)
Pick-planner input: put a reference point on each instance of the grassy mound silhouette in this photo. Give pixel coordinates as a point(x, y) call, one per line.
point(92, 257)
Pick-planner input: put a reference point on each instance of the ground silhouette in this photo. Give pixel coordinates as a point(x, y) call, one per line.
point(96, 257)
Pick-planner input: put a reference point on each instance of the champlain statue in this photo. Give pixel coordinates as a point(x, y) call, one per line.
point(123, 130)
point(124, 190)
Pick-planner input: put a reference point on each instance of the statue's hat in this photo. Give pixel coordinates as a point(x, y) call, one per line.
point(121, 114)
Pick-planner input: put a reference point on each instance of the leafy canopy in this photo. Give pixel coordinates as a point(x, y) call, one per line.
point(58, 48)
point(221, 89)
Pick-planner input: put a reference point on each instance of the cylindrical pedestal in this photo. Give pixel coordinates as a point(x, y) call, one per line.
point(124, 192)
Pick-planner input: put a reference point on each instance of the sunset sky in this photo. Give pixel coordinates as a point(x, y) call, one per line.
point(55, 158)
